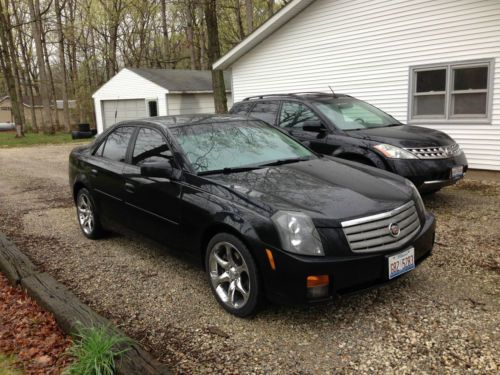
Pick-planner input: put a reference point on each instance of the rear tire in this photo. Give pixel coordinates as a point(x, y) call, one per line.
point(88, 219)
point(232, 274)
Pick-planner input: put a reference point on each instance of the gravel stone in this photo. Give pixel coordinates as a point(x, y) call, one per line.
point(442, 317)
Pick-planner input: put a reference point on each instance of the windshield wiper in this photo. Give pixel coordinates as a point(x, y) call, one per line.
point(395, 124)
point(284, 161)
point(229, 170)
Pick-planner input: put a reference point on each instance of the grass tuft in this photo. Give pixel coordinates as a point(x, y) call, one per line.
point(8, 365)
point(95, 350)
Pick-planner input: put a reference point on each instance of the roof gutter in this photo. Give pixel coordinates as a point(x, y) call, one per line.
point(261, 33)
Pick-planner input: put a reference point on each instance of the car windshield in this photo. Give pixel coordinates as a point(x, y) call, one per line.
point(231, 145)
point(353, 114)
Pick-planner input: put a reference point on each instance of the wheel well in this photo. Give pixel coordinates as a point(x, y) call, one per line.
point(76, 188)
point(211, 232)
point(358, 158)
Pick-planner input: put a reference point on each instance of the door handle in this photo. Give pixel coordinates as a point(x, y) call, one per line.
point(93, 171)
point(129, 187)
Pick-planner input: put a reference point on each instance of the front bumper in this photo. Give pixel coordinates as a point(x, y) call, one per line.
point(287, 283)
point(429, 174)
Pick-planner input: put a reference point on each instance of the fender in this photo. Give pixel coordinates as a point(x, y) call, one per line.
point(353, 152)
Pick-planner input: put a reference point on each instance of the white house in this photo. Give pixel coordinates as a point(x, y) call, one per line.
point(430, 63)
point(137, 93)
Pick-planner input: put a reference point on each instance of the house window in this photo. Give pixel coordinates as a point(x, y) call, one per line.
point(451, 92)
point(153, 108)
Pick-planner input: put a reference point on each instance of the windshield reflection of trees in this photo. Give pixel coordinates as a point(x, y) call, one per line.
point(218, 146)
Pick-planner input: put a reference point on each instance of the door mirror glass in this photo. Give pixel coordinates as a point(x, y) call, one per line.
point(162, 169)
point(314, 126)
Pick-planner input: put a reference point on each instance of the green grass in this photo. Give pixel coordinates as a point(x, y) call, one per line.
point(94, 350)
point(8, 366)
point(8, 139)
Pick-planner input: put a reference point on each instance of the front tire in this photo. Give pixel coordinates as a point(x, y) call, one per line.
point(87, 215)
point(233, 275)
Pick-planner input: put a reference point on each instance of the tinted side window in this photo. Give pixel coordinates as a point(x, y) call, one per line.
point(265, 111)
point(117, 143)
point(242, 108)
point(293, 115)
point(149, 147)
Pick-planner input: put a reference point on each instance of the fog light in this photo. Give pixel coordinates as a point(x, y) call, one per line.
point(317, 286)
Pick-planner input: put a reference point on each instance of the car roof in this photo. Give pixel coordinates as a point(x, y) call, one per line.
point(185, 120)
point(299, 96)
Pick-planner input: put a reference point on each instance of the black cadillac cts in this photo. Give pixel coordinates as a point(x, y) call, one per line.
point(268, 217)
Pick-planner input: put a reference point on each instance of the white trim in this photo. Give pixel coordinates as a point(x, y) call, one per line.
point(261, 33)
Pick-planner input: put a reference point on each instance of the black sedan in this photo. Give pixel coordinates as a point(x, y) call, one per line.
point(267, 216)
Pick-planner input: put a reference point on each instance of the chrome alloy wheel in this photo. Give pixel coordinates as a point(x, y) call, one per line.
point(85, 214)
point(229, 275)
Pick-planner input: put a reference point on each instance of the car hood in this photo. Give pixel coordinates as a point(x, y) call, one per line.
point(330, 190)
point(405, 136)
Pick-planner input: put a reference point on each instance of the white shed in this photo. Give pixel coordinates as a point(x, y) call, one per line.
point(138, 93)
point(429, 63)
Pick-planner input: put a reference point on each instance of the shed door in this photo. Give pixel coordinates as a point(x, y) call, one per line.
point(129, 109)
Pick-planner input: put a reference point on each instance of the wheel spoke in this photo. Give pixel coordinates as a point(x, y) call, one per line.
point(223, 278)
point(231, 292)
point(224, 264)
point(239, 287)
point(229, 254)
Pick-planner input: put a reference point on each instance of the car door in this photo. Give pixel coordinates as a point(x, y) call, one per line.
point(292, 117)
point(153, 203)
point(105, 175)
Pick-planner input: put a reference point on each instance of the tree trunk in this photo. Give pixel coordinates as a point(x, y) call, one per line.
point(166, 41)
point(6, 62)
point(213, 52)
point(239, 21)
point(62, 62)
point(249, 13)
point(270, 8)
point(36, 26)
point(55, 117)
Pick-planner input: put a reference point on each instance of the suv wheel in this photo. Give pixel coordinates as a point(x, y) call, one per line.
point(233, 275)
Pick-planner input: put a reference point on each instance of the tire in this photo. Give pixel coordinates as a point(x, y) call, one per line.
point(87, 216)
point(239, 291)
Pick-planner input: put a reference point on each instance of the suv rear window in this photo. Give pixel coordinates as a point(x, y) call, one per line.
point(241, 108)
point(265, 111)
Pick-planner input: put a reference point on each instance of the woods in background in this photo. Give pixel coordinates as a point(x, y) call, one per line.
point(65, 49)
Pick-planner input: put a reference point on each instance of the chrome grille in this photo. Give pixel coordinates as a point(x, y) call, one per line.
point(441, 152)
point(372, 233)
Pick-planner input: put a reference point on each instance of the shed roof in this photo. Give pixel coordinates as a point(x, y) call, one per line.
point(181, 81)
point(267, 28)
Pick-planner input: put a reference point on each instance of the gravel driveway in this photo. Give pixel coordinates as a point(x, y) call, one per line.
point(441, 318)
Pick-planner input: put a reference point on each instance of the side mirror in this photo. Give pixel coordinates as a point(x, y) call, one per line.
point(161, 169)
point(314, 126)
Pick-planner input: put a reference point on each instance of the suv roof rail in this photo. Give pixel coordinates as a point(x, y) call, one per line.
point(292, 94)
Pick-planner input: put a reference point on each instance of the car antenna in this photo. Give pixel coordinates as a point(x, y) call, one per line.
point(333, 92)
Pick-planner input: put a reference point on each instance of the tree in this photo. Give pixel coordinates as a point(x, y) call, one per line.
point(213, 51)
point(62, 64)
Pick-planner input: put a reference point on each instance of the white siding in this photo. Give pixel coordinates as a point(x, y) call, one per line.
point(364, 48)
point(128, 85)
point(182, 104)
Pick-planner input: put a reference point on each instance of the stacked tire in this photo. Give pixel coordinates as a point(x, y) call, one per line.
point(83, 132)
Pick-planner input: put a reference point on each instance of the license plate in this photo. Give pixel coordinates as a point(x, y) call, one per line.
point(401, 262)
point(457, 171)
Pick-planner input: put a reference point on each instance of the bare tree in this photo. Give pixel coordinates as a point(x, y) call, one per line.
point(249, 13)
point(62, 63)
point(213, 51)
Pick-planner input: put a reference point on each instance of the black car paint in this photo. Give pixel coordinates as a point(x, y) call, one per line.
point(358, 145)
point(185, 213)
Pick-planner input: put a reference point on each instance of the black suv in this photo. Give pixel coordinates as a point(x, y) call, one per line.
point(346, 127)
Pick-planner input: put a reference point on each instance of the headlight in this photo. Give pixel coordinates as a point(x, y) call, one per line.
point(394, 152)
point(417, 197)
point(297, 233)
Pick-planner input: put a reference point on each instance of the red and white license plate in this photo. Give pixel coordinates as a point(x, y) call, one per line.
point(401, 262)
point(457, 171)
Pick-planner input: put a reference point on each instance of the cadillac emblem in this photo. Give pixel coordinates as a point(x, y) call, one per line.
point(394, 229)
